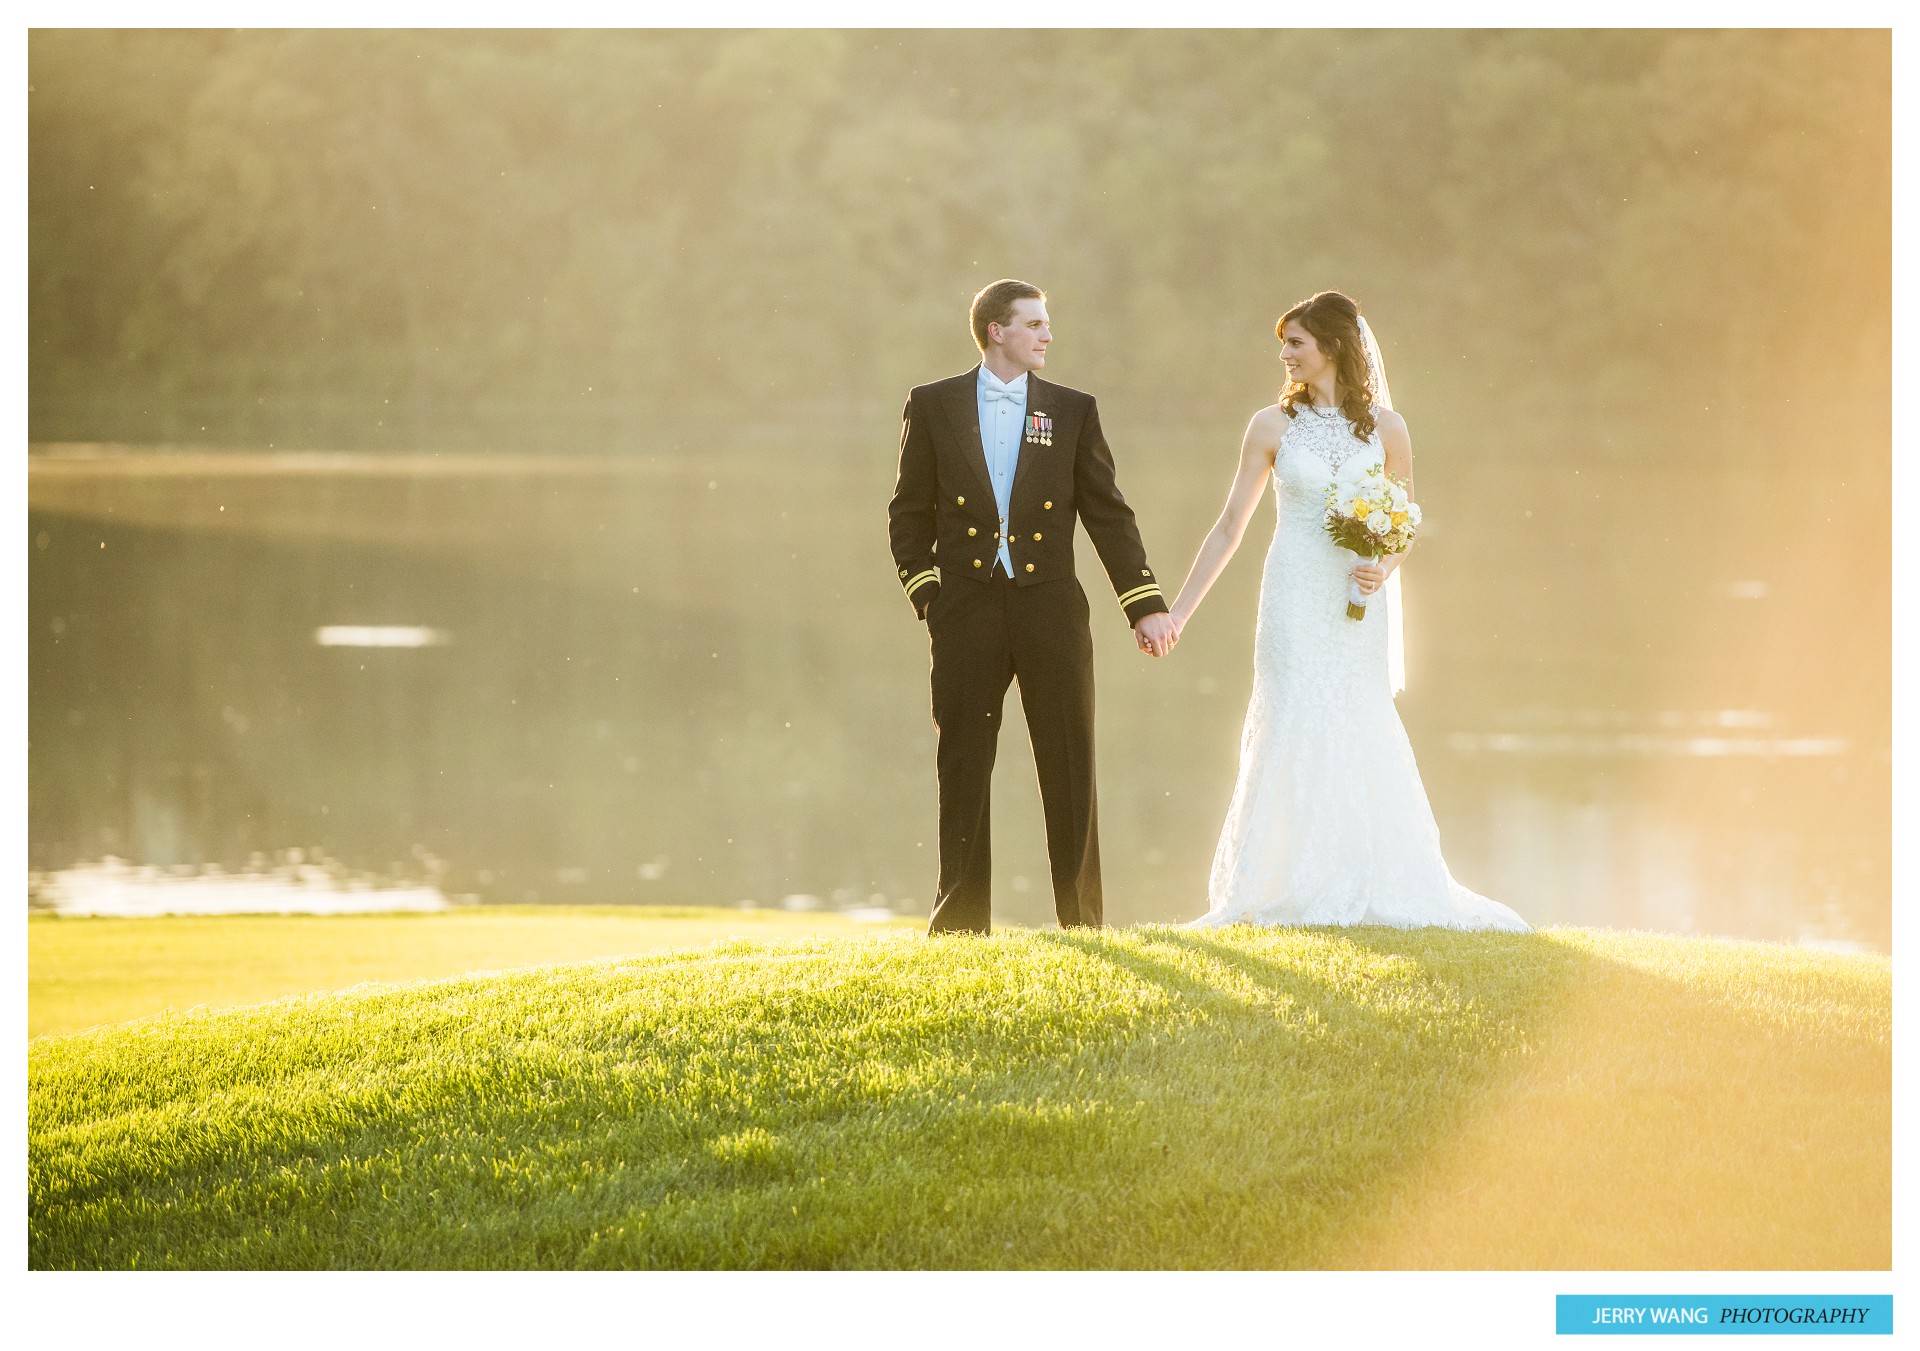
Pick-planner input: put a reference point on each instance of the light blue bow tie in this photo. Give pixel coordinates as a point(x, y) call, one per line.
point(991, 392)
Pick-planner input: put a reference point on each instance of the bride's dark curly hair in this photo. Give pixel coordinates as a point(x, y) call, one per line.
point(1334, 321)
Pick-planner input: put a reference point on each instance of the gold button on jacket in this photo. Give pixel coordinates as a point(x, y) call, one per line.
point(944, 507)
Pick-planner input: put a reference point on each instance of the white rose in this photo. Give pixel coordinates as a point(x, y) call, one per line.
point(1399, 497)
point(1379, 523)
point(1413, 513)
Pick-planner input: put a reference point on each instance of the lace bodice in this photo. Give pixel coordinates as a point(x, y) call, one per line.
point(1318, 449)
point(1326, 434)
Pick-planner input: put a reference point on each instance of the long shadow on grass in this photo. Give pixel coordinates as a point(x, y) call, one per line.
point(1248, 1108)
point(1367, 1073)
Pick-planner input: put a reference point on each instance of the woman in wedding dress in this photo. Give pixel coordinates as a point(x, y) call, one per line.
point(1329, 822)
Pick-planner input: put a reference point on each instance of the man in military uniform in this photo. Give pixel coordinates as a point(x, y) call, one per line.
point(995, 466)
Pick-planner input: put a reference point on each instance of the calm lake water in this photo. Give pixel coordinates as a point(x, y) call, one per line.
point(688, 676)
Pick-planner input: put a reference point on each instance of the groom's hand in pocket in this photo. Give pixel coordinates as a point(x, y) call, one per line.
point(1156, 634)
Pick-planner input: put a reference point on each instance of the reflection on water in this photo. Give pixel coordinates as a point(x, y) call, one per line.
point(1642, 743)
point(114, 887)
point(687, 677)
point(1679, 735)
point(377, 635)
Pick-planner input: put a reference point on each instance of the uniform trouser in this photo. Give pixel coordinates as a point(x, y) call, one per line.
point(984, 636)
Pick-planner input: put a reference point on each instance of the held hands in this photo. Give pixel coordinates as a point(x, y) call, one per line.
point(1156, 634)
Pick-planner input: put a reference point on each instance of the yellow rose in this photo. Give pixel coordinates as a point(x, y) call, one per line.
point(1399, 518)
point(1360, 509)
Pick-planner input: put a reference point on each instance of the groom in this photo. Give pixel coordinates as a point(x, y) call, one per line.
point(994, 466)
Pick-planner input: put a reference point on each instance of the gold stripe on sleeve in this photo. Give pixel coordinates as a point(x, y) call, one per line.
point(1139, 593)
point(916, 583)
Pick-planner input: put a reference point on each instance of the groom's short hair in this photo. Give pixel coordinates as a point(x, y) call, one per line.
point(994, 305)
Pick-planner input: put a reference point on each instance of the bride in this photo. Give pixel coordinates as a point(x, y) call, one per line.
point(1329, 822)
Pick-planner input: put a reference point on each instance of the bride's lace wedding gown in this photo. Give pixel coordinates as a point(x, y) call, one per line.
point(1329, 822)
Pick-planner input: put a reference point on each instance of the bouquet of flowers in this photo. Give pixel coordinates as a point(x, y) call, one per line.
point(1373, 518)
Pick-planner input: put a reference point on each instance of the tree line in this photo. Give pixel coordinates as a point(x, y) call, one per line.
point(414, 238)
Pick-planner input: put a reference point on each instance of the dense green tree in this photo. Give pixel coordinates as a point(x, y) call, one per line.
point(404, 238)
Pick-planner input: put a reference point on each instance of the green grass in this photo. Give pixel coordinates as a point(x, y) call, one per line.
point(1138, 1098)
point(84, 972)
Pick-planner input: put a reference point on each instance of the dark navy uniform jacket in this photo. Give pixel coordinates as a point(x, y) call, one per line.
point(943, 520)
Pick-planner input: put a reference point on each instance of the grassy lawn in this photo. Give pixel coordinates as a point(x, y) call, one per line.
point(83, 972)
point(1141, 1098)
